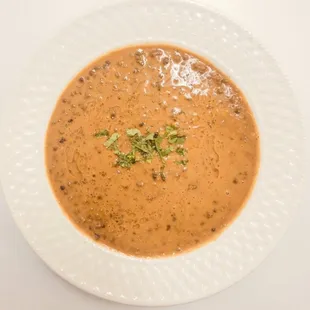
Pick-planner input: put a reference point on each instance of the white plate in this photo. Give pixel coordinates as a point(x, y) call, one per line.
point(115, 276)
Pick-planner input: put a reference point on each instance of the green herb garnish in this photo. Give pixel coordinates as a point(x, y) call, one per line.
point(167, 151)
point(181, 151)
point(182, 162)
point(133, 132)
point(176, 139)
point(114, 137)
point(150, 136)
point(170, 128)
point(102, 133)
point(125, 160)
point(142, 145)
point(173, 135)
point(157, 141)
point(145, 147)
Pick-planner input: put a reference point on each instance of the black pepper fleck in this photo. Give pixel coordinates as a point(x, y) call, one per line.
point(163, 176)
point(165, 60)
point(62, 187)
point(158, 86)
point(192, 186)
point(97, 236)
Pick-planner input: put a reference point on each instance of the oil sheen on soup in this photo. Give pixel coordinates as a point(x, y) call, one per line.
point(151, 150)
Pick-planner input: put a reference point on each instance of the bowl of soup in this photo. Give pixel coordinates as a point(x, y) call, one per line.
point(152, 140)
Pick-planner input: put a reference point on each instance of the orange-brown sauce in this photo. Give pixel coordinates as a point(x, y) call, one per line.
point(144, 210)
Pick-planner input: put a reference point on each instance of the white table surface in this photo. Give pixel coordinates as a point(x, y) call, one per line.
point(282, 281)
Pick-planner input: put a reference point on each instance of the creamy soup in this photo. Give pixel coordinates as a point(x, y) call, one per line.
point(151, 150)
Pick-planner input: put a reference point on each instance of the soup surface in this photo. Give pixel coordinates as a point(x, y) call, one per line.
point(152, 150)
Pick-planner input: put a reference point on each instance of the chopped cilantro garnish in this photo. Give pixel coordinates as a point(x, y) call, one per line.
point(150, 136)
point(145, 147)
point(125, 160)
point(102, 133)
point(176, 139)
point(182, 162)
point(173, 135)
point(142, 145)
point(157, 142)
point(114, 137)
point(167, 151)
point(170, 128)
point(133, 132)
point(181, 151)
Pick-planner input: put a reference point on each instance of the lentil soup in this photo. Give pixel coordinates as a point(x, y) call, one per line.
point(151, 150)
